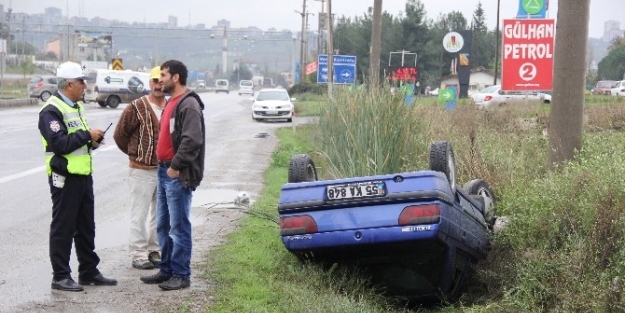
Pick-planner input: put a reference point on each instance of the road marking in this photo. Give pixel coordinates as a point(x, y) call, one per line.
point(38, 169)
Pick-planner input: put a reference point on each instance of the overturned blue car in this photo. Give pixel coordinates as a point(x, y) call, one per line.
point(417, 232)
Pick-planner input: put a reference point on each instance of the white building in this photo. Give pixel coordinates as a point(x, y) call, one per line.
point(480, 78)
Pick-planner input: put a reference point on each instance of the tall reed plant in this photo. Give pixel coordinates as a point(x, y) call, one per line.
point(368, 132)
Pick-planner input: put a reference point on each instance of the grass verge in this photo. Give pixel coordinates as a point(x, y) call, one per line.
point(562, 251)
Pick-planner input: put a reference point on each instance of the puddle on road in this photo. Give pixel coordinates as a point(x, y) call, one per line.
point(115, 233)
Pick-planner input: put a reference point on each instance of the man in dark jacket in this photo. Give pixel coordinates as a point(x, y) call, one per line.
point(180, 153)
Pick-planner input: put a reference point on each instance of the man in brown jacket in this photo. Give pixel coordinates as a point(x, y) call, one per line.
point(136, 134)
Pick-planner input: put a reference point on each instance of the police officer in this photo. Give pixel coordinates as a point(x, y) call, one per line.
point(68, 142)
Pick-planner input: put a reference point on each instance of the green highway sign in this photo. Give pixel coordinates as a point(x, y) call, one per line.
point(446, 95)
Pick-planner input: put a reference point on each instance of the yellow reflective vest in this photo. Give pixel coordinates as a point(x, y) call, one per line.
point(79, 160)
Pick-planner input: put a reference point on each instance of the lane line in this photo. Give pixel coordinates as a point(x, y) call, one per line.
point(42, 168)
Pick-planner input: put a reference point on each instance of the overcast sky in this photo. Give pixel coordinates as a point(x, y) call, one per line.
point(279, 13)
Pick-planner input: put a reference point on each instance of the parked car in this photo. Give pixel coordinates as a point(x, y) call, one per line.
point(273, 104)
point(222, 85)
point(246, 87)
point(42, 87)
point(618, 89)
point(434, 92)
point(603, 87)
point(493, 96)
point(418, 233)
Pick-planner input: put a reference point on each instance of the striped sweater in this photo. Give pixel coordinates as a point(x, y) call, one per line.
point(136, 133)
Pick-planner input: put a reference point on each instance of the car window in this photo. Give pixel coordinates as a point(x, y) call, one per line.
point(272, 95)
point(222, 82)
point(35, 79)
point(246, 83)
point(490, 89)
point(52, 80)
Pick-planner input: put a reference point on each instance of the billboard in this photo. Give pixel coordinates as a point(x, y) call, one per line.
point(527, 54)
point(94, 38)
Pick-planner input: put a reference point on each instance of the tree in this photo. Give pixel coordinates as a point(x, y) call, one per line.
point(567, 109)
point(27, 66)
point(376, 42)
point(482, 51)
point(612, 66)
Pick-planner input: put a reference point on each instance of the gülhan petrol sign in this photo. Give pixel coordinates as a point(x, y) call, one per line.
point(527, 54)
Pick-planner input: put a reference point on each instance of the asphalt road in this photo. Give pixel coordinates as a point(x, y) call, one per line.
point(238, 151)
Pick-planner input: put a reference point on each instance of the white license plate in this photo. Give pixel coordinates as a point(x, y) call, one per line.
point(356, 190)
point(272, 112)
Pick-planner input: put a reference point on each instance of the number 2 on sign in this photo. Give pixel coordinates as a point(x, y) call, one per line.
point(527, 71)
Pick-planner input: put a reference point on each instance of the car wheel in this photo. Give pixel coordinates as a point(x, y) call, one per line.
point(289, 120)
point(102, 104)
point(45, 96)
point(113, 101)
point(302, 169)
point(480, 188)
point(442, 160)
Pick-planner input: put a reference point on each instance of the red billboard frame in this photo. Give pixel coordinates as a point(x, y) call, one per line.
point(527, 50)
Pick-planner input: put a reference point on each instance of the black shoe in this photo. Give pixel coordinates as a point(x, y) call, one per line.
point(154, 257)
point(97, 280)
point(156, 278)
point(66, 284)
point(175, 283)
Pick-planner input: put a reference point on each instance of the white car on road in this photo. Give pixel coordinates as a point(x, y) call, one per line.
point(273, 104)
point(493, 96)
point(619, 89)
point(247, 87)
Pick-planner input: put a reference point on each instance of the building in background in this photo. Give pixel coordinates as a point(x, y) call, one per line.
point(172, 21)
point(611, 30)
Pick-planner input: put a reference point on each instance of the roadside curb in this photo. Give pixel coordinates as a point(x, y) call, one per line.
point(12, 103)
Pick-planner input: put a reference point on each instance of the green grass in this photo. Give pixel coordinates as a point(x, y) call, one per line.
point(563, 250)
point(308, 104)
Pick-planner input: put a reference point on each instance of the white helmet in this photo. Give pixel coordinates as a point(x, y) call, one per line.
point(69, 70)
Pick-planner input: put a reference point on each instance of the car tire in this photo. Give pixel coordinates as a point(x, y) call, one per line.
point(480, 188)
point(302, 169)
point(44, 96)
point(289, 120)
point(102, 104)
point(113, 102)
point(442, 160)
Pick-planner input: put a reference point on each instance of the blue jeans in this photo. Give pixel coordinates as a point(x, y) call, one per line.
point(173, 227)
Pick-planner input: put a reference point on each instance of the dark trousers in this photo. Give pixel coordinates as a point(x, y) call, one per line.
point(73, 220)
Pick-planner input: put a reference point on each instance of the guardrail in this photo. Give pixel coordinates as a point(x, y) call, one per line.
point(12, 103)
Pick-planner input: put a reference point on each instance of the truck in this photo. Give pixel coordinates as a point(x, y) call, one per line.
point(416, 233)
point(112, 87)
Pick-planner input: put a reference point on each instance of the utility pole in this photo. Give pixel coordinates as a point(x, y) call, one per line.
point(376, 42)
point(497, 45)
point(224, 53)
point(566, 119)
point(330, 79)
point(302, 78)
point(321, 25)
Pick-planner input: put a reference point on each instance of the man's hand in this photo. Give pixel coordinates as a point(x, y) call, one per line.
point(172, 173)
point(96, 134)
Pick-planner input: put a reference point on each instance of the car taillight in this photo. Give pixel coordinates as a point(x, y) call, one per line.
point(39, 85)
point(420, 214)
point(295, 225)
point(488, 98)
point(95, 89)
